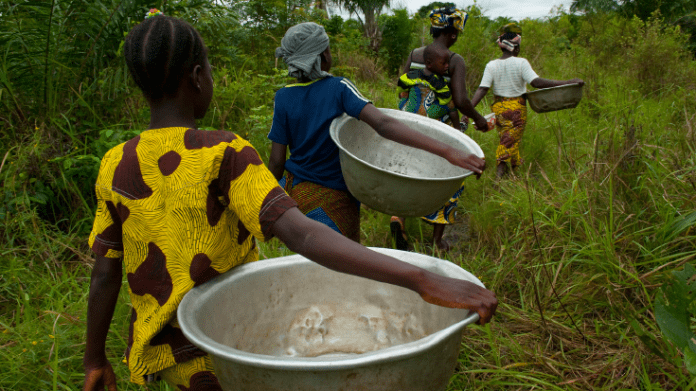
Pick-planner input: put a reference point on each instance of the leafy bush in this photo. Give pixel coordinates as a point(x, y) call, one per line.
point(396, 39)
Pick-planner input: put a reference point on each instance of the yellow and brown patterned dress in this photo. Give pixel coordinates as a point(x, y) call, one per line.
point(508, 113)
point(181, 206)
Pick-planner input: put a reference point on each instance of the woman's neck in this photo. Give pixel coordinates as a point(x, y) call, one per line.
point(442, 41)
point(170, 113)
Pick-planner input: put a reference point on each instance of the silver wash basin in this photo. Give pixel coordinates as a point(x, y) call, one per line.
point(289, 324)
point(393, 178)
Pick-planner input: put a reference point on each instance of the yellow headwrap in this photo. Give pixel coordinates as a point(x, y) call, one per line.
point(448, 17)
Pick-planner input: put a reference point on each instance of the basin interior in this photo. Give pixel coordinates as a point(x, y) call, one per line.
point(301, 309)
point(360, 140)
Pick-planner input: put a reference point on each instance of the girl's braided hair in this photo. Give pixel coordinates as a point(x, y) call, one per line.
point(160, 51)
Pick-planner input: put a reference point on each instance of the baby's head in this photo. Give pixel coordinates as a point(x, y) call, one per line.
point(436, 59)
point(163, 53)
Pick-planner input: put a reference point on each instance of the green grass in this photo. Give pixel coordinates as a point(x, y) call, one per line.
point(575, 246)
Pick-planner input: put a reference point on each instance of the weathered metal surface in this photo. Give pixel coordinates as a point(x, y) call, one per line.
point(393, 178)
point(247, 320)
point(555, 98)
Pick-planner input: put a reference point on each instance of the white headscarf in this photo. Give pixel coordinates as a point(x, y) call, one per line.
point(301, 47)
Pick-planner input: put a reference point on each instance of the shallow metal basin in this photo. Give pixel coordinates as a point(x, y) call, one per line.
point(289, 324)
point(555, 98)
point(393, 178)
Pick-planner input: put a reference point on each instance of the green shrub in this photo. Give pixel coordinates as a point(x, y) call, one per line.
point(396, 39)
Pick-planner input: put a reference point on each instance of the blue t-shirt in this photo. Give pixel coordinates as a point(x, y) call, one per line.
point(301, 118)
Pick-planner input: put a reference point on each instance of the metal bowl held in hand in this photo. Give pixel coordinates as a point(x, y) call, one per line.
point(554, 98)
point(393, 178)
point(290, 324)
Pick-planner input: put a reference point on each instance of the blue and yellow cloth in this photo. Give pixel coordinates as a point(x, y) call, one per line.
point(427, 95)
point(442, 18)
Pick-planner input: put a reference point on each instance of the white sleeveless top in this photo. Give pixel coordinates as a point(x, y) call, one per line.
point(509, 77)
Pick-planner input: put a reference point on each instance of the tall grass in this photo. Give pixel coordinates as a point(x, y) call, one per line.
point(575, 245)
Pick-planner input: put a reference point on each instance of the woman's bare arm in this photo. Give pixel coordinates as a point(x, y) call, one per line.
point(395, 130)
point(459, 93)
point(478, 95)
point(330, 249)
point(276, 162)
point(548, 83)
point(105, 283)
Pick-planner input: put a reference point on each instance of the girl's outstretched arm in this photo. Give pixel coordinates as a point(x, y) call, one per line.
point(548, 83)
point(105, 283)
point(478, 95)
point(328, 248)
point(395, 130)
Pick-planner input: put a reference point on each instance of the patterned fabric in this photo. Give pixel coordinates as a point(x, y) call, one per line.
point(448, 17)
point(428, 96)
point(507, 111)
point(181, 206)
point(436, 83)
point(447, 213)
point(421, 100)
point(193, 375)
point(336, 208)
point(511, 28)
point(509, 44)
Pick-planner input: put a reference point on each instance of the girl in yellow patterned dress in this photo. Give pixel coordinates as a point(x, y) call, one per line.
point(178, 206)
point(509, 76)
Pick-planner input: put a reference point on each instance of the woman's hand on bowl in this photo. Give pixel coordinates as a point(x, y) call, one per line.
point(481, 123)
point(467, 161)
point(454, 293)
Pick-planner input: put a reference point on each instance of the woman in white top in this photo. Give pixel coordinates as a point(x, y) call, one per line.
point(509, 76)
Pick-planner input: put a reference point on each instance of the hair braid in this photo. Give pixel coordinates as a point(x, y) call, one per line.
point(160, 51)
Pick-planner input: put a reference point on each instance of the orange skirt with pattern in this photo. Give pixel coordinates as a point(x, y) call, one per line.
point(508, 113)
point(336, 208)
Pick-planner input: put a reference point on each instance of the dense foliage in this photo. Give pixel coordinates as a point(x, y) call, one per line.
point(577, 246)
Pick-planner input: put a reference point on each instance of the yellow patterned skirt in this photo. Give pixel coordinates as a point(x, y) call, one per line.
point(195, 374)
point(508, 113)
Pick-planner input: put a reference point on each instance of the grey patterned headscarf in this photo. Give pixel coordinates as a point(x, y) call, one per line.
point(301, 47)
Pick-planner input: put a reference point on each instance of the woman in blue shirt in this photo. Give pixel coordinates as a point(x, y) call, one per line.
point(302, 115)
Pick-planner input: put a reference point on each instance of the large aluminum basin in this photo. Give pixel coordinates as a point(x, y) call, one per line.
point(289, 324)
point(554, 98)
point(393, 178)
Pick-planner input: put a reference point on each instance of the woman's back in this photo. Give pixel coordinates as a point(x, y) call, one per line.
point(301, 119)
point(508, 77)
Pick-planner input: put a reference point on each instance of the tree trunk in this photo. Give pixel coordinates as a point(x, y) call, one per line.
point(371, 29)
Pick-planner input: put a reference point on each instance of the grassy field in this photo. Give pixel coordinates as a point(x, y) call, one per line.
point(576, 245)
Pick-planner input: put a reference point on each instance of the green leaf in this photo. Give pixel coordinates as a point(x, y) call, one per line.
point(681, 224)
point(690, 357)
point(672, 312)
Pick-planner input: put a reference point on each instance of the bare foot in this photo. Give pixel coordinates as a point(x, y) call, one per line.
point(397, 227)
point(502, 170)
point(442, 245)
